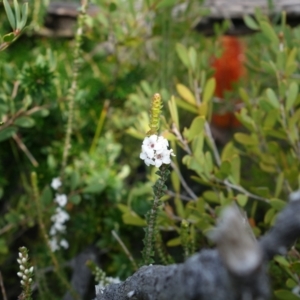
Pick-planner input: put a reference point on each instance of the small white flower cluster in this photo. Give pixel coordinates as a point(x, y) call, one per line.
point(25, 272)
point(58, 219)
point(100, 287)
point(155, 151)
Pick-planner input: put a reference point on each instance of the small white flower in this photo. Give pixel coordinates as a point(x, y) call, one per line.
point(150, 141)
point(53, 244)
point(56, 183)
point(24, 260)
point(20, 274)
point(155, 151)
point(30, 279)
point(148, 160)
point(64, 243)
point(162, 158)
point(59, 227)
point(61, 216)
point(149, 152)
point(22, 267)
point(19, 261)
point(52, 230)
point(61, 200)
point(22, 282)
point(24, 277)
point(161, 145)
point(31, 269)
point(20, 255)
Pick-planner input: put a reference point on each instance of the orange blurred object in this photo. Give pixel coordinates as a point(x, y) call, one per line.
point(229, 68)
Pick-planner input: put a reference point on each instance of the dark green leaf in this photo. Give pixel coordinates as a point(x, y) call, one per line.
point(75, 199)
point(8, 38)
point(7, 133)
point(3, 246)
point(285, 295)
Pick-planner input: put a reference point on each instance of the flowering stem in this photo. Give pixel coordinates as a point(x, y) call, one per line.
point(159, 190)
point(73, 88)
point(57, 269)
point(26, 274)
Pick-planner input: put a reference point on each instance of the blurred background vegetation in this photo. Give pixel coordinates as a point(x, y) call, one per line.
point(236, 141)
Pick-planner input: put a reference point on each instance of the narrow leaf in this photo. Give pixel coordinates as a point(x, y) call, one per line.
point(286, 295)
point(183, 54)
point(250, 22)
point(209, 89)
point(24, 16)
point(292, 95)
point(193, 58)
point(10, 14)
point(245, 139)
point(185, 93)
point(279, 184)
point(17, 13)
point(269, 32)
point(273, 100)
point(173, 111)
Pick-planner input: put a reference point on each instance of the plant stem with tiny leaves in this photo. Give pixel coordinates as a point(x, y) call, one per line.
point(159, 190)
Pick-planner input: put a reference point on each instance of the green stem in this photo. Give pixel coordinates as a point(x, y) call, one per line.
point(73, 89)
point(100, 124)
point(159, 190)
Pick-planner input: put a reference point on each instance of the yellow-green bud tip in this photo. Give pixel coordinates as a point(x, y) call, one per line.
point(156, 106)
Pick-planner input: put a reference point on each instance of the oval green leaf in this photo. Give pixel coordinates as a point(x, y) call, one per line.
point(25, 122)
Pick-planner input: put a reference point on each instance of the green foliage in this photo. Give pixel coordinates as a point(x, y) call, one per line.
point(118, 69)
